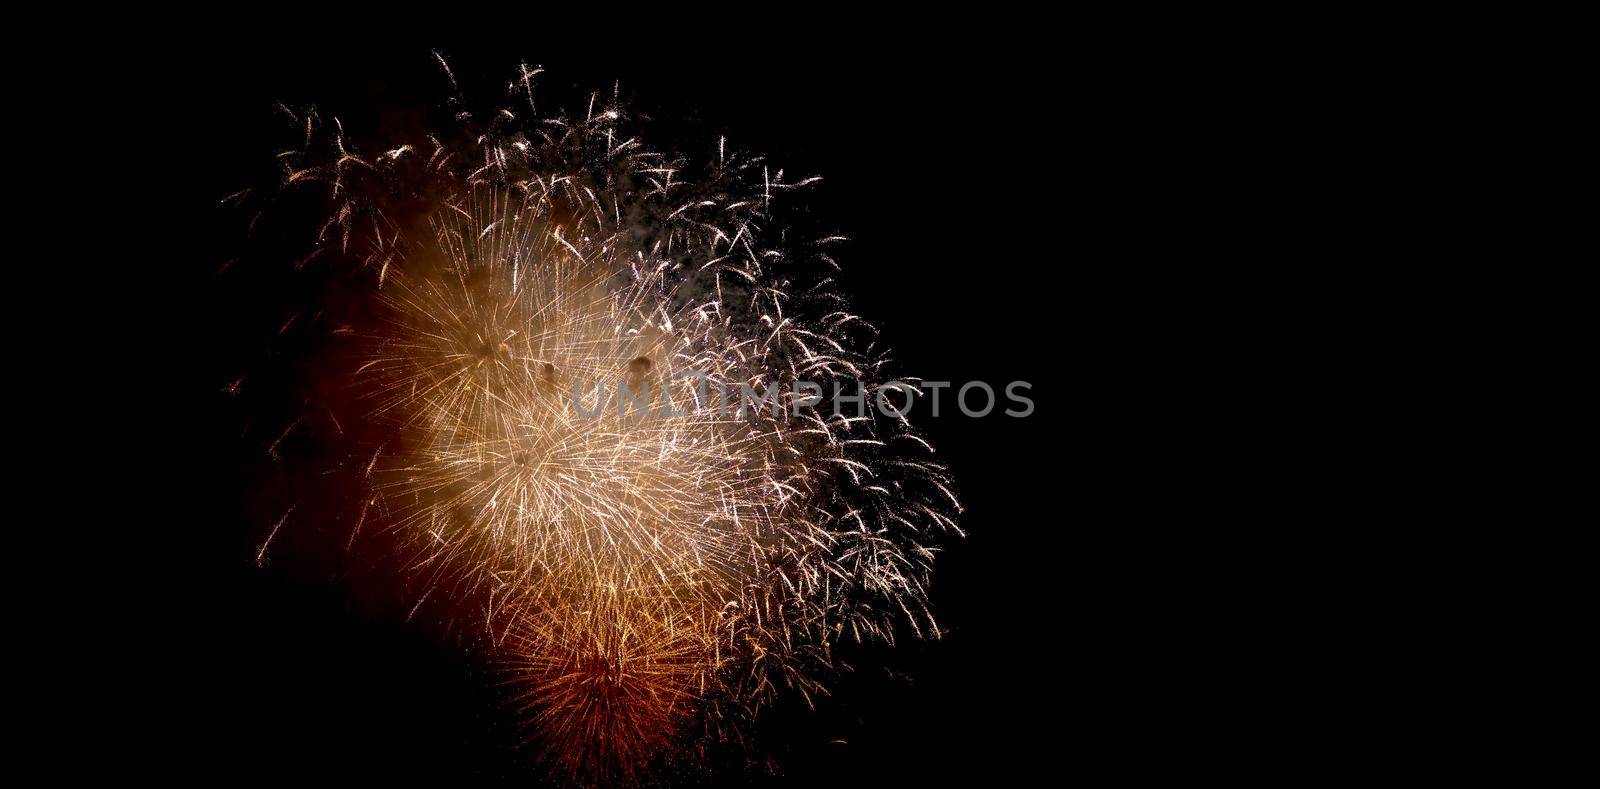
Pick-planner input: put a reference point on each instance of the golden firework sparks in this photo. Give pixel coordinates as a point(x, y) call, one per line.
point(644, 575)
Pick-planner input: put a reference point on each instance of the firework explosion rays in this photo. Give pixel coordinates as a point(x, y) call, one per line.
point(643, 579)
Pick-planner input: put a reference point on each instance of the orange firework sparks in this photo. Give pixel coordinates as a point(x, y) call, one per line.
point(550, 303)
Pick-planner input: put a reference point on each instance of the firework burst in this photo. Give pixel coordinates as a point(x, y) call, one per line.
point(647, 576)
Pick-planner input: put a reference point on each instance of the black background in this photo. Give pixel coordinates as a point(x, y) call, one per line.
point(995, 210)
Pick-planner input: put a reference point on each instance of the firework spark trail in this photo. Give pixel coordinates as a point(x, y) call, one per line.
point(653, 576)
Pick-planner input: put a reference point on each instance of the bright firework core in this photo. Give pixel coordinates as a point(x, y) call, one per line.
point(644, 580)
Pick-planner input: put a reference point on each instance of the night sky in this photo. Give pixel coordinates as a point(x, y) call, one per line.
point(982, 201)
